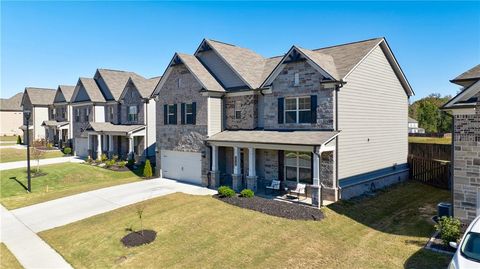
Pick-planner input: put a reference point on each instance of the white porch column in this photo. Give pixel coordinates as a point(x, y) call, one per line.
point(99, 146)
point(251, 162)
point(89, 147)
point(130, 147)
point(110, 144)
point(214, 158)
point(316, 188)
point(316, 169)
point(236, 160)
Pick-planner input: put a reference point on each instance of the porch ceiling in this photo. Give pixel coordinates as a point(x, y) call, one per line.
point(294, 138)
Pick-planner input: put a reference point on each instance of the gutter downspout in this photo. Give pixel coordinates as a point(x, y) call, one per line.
point(337, 182)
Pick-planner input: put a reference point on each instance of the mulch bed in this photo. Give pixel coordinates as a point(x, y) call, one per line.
point(436, 244)
point(139, 238)
point(274, 208)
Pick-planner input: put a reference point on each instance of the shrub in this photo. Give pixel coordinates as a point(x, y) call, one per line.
point(147, 169)
point(225, 191)
point(115, 157)
point(103, 157)
point(247, 193)
point(109, 163)
point(49, 145)
point(121, 164)
point(89, 160)
point(449, 229)
point(19, 140)
point(67, 150)
point(130, 162)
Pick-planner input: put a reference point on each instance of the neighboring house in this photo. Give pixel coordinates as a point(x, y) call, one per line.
point(37, 101)
point(59, 126)
point(332, 118)
point(11, 115)
point(413, 127)
point(110, 115)
point(465, 109)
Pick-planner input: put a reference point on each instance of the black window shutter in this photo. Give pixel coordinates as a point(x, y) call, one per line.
point(194, 113)
point(280, 110)
point(281, 168)
point(165, 114)
point(175, 114)
point(182, 112)
point(313, 108)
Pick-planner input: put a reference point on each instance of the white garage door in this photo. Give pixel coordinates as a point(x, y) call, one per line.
point(81, 147)
point(184, 166)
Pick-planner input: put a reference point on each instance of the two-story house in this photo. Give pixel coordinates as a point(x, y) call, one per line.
point(465, 109)
point(36, 101)
point(59, 126)
point(110, 114)
point(413, 127)
point(333, 118)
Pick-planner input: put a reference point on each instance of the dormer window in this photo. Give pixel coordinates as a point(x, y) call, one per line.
point(296, 79)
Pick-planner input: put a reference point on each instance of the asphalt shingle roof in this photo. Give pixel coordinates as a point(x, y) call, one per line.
point(40, 96)
point(116, 80)
point(92, 89)
point(114, 128)
point(308, 138)
point(473, 73)
point(13, 103)
point(145, 86)
point(67, 91)
point(200, 72)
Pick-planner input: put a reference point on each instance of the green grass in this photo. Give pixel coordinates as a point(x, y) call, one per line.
point(430, 140)
point(387, 231)
point(60, 180)
point(8, 138)
point(13, 155)
point(7, 260)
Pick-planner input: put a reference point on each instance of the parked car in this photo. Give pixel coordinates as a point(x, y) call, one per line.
point(468, 250)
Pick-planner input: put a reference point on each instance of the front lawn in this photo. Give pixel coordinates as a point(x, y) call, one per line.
point(7, 260)
point(430, 140)
point(13, 155)
point(60, 180)
point(387, 231)
point(8, 140)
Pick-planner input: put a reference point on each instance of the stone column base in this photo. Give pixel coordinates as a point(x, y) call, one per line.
point(316, 196)
point(252, 183)
point(214, 180)
point(237, 182)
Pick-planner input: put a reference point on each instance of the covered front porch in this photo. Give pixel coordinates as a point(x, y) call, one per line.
point(56, 132)
point(301, 163)
point(125, 141)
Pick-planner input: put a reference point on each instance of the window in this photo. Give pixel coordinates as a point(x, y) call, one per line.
point(297, 110)
point(296, 80)
point(87, 114)
point(470, 248)
point(132, 113)
point(52, 115)
point(238, 110)
point(110, 112)
point(172, 114)
point(298, 167)
point(188, 113)
point(77, 115)
point(63, 113)
point(179, 82)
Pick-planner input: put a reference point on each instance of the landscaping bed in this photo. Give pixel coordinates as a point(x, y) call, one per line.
point(274, 208)
point(138, 238)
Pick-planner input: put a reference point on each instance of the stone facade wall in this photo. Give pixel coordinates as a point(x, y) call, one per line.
point(327, 169)
point(466, 173)
point(180, 137)
point(309, 84)
point(132, 98)
point(249, 112)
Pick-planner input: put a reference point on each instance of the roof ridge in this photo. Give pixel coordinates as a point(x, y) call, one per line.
point(349, 43)
point(39, 88)
point(233, 45)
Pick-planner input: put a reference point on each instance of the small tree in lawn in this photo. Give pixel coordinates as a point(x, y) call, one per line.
point(19, 140)
point(37, 154)
point(139, 210)
point(147, 170)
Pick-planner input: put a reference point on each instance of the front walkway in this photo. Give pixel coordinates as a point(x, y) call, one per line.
point(33, 163)
point(18, 227)
point(29, 249)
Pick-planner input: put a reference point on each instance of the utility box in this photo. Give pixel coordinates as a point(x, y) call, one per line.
point(444, 209)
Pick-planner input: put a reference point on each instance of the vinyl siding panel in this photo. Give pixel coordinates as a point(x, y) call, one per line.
point(151, 128)
point(214, 116)
point(221, 70)
point(372, 117)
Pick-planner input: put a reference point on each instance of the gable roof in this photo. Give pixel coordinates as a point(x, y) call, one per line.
point(115, 80)
point(91, 88)
point(471, 74)
point(67, 92)
point(144, 86)
point(196, 68)
point(468, 97)
point(40, 96)
point(13, 103)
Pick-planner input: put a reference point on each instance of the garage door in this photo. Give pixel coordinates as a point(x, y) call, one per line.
point(81, 147)
point(184, 166)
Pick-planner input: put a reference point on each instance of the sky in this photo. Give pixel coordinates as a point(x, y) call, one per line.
point(46, 44)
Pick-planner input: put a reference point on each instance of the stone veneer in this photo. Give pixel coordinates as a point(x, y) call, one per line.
point(132, 98)
point(466, 172)
point(249, 113)
point(188, 138)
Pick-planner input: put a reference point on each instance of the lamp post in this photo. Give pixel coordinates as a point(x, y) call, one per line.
point(27, 114)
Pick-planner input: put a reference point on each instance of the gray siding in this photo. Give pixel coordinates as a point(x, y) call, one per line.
point(82, 124)
point(221, 70)
point(372, 118)
point(81, 95)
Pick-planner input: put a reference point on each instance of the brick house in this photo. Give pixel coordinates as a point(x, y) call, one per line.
point(465, 109)
point(37, 101)
point(58, 127)
point(333, 118)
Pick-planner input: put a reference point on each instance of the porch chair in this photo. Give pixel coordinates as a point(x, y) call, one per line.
point(274, 186)
point(299, 189)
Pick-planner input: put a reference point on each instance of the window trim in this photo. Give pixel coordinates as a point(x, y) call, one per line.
point(110, 113)
point(187, 113)
point(298, 166)
point(296, 79)
point(132, 116)
point(237, 109)
point(77, 114)
point(170, 114)
point(297, 110)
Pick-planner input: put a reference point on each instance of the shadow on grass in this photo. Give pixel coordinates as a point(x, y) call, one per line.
point(19, 182)
point(427, 259)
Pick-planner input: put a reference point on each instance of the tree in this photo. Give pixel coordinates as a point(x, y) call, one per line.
point(19, 140)
point(37, 154)
point(147, 170)
point(430, 117)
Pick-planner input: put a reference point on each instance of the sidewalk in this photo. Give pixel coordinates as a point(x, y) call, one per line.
point(20, 164)
point(29, 249)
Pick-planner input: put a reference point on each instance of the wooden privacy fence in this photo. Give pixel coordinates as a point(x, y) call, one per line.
point(431, 172)
point(431, 151)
